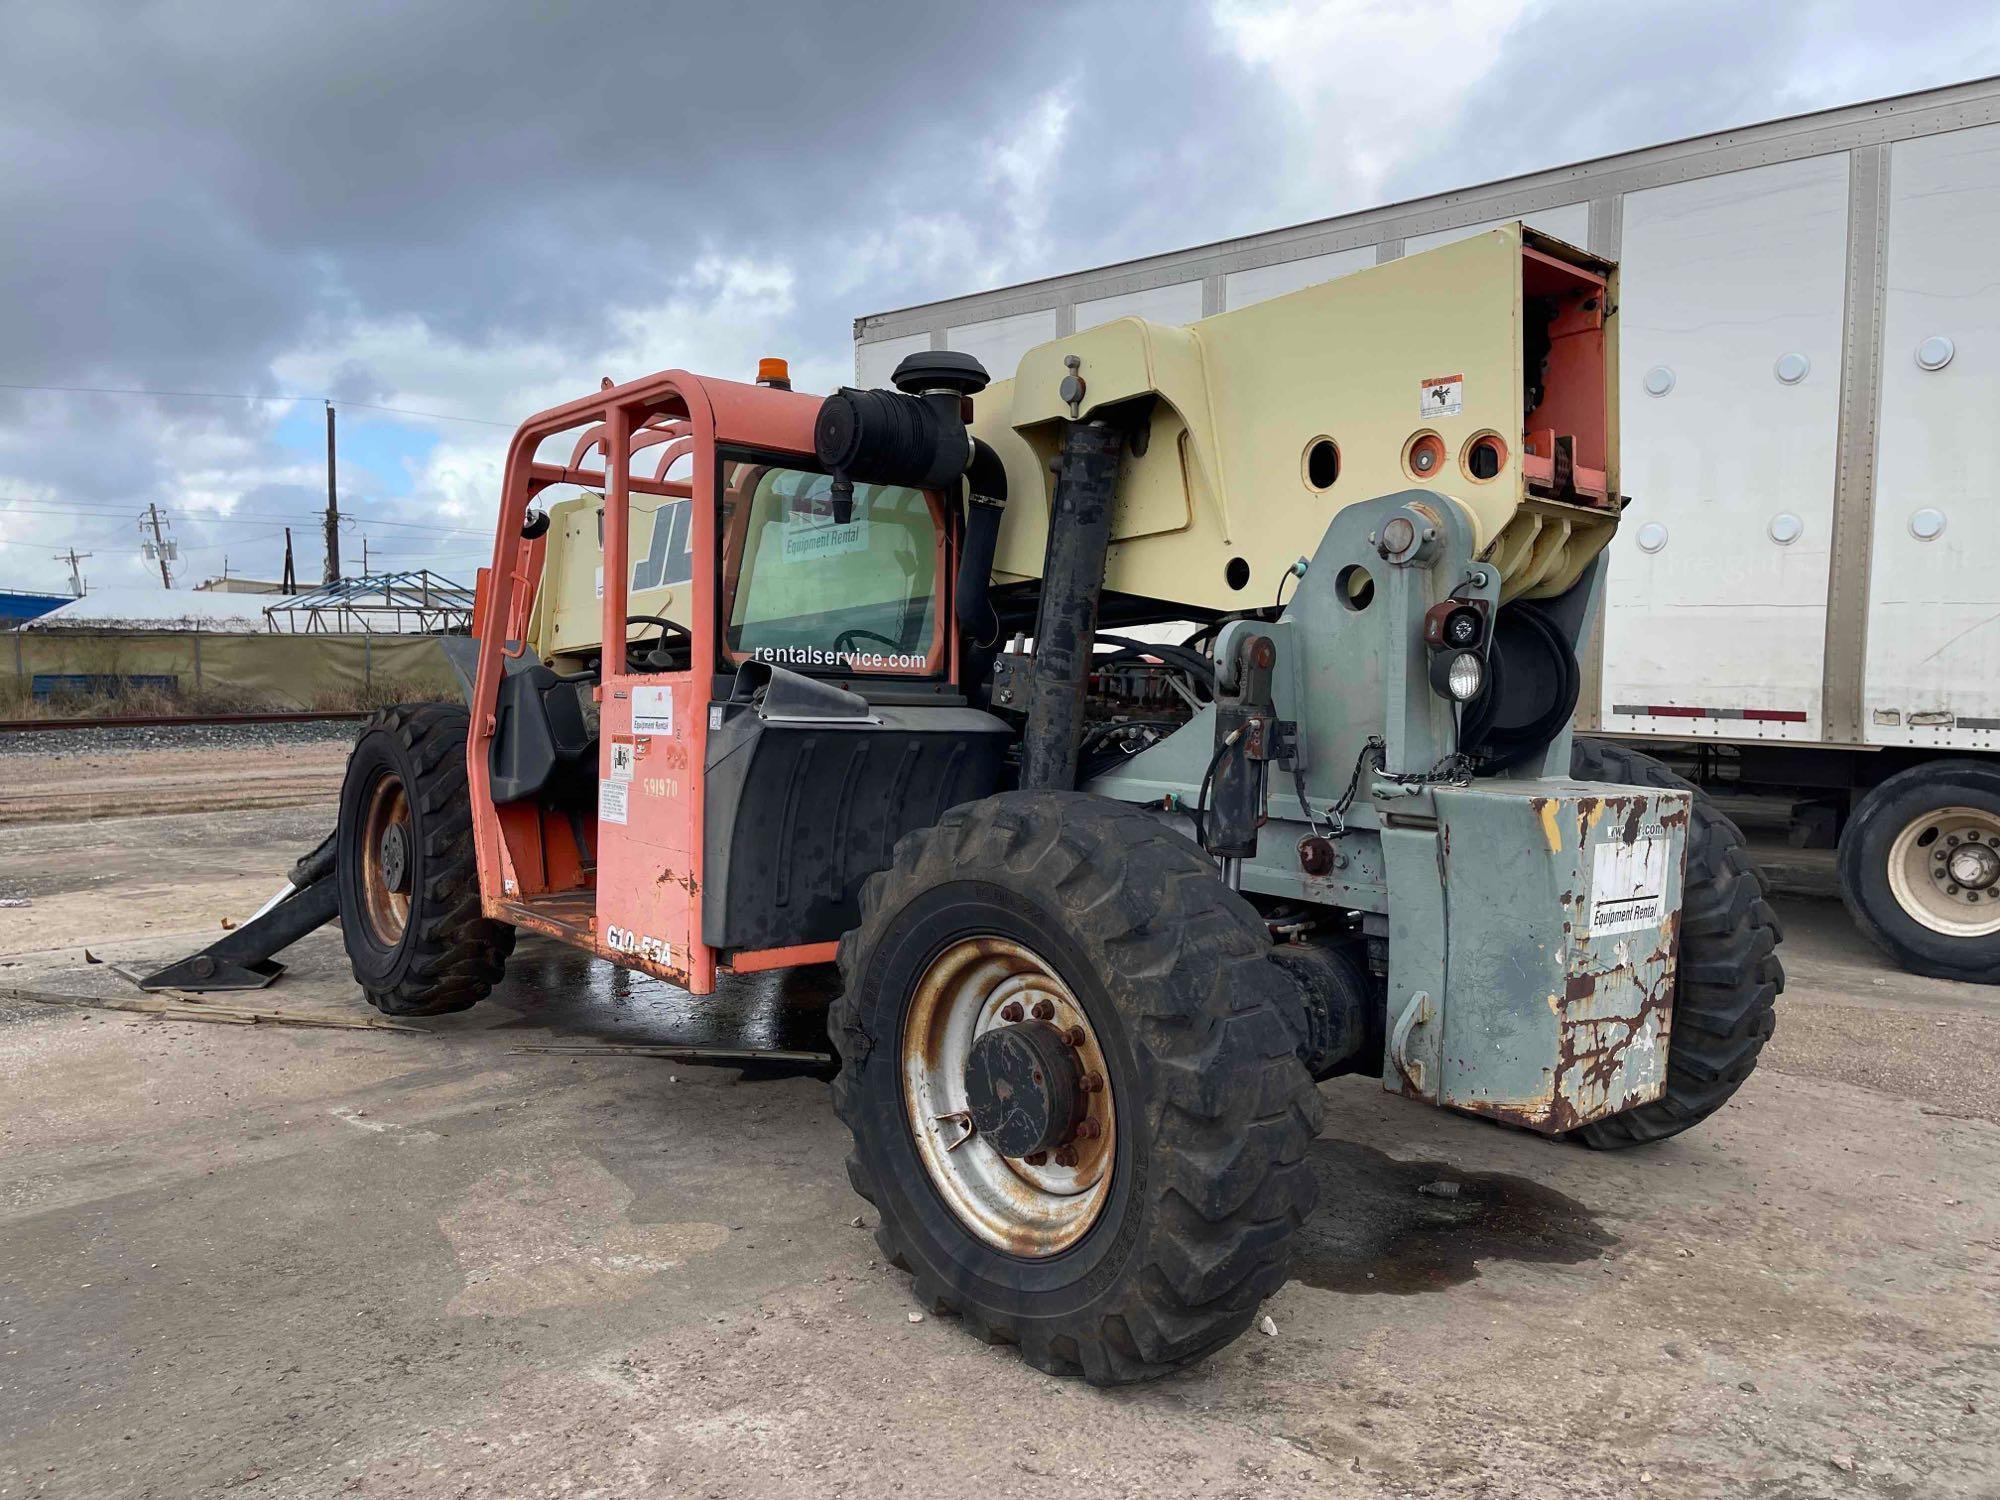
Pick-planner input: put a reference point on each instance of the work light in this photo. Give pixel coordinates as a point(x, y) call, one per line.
point(1458, 675)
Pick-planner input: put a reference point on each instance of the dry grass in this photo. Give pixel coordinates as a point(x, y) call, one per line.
point(18, 702)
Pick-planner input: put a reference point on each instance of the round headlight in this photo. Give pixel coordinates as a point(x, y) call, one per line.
point(1466, 677)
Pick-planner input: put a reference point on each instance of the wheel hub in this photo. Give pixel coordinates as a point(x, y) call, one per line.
point(1024, 1088)
point(1008, 1097)
point(1944, 871)
point(1973, 866)
point(395, 855)
point(388, 860)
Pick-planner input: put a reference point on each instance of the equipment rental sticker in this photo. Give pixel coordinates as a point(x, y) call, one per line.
point(652, 710)
point(1627, 885)
point(612, 798)
point(1442, 396)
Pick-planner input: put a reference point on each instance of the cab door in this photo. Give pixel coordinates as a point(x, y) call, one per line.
point(655, 700)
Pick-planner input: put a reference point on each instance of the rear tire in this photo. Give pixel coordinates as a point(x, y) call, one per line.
point(407, 875)
point(1209, 1112)
point(1895, 864)
point(1728, 977)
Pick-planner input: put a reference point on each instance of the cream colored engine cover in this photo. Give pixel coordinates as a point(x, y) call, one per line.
point(1244, 395)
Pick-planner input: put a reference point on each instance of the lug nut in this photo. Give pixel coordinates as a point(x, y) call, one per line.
point(1074, 1036)
point(1011, 1011)
point(1036, 1158)
point(1093, 1083)
point(1045, 1010)
point(1066, 1157)
point(1090, 1130)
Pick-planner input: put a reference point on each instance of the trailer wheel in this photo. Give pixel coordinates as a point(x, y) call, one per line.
point(1728, 977)
point(1920, 869)
point(1075, 1101)
point(406, 873)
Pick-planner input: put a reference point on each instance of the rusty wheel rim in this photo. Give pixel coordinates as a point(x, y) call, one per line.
point(1024, 1206)
point(388, 854)
point(1944, 871)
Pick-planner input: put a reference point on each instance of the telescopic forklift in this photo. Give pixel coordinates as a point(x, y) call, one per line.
point(1147, 737)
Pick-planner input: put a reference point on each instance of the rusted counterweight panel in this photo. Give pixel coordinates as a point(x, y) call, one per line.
point(1563, 914)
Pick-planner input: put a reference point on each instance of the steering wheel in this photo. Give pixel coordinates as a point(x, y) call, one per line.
point(846, 639)
point(654, 657)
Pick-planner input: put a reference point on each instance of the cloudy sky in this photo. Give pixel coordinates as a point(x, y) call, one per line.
point(467, 212)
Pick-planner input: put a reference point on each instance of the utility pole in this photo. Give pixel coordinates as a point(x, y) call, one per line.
point(332, 508)
point(291, 583)
point(159, 547)
point(73, 557)
point(364, 556)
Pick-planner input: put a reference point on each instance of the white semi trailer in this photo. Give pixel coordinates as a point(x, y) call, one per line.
point(1804, 600)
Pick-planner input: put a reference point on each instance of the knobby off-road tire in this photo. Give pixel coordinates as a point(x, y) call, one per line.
point(1896, 860)
point(423, 949)
point(1213, 1113)
point(1728, 977)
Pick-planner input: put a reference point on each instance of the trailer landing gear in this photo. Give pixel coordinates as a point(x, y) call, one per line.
point(1075, 1100)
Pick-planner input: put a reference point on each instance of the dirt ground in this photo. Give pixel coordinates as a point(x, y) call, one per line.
point(112, 780)
point(280, 1262)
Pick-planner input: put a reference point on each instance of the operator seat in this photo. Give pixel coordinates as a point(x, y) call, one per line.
point(545, 738)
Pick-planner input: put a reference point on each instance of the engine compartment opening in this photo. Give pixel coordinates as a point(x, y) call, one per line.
point(1565, 438)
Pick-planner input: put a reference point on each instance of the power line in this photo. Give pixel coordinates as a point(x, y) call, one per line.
point(109, 390)
point(239, 518)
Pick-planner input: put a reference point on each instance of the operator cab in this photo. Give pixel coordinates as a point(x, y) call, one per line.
point(782, 701)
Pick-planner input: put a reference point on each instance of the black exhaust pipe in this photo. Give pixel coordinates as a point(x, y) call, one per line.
point(986, 484)
point(1072, 585)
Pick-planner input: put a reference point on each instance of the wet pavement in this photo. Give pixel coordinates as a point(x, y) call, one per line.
point(1405, 1227)
point(556, 989)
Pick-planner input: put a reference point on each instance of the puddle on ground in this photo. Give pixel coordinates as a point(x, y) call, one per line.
point(572, 997)
point(1375, 1232)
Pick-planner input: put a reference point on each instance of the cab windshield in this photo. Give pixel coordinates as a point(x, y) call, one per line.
point(807, 589)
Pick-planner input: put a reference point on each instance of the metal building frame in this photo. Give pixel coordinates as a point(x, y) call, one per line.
point(413, 603)
point(1863, 132)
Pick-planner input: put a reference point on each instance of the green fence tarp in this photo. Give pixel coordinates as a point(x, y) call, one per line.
point(276, 671)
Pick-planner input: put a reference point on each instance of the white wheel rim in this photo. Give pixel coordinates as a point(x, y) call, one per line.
point(1944, 871)
point(1024, 1207)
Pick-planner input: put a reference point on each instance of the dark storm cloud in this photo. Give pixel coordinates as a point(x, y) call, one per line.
point(196, 190)
point(203, 180)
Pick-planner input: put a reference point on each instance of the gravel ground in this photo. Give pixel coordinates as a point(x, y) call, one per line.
point(88, 739)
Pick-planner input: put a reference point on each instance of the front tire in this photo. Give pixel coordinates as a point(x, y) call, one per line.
point(1173, 1219)
point(1728, 978)
point(1920, 869)
point(406, 872)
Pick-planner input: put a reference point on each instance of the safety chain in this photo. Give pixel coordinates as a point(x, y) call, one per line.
point(1452, 769)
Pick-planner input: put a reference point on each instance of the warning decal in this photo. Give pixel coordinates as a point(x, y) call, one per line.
point(622, 757)
point(1442, 396)
point(1628, 885)
point(612, 799)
